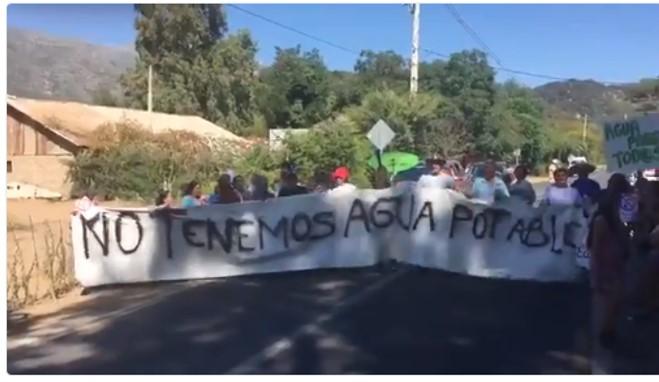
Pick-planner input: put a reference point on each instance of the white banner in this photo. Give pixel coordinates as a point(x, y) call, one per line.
point(427, 227)
point(633, 144)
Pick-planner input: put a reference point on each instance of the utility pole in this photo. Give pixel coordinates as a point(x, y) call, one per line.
point(414, 62)
point(150, 95)
point(584, 131)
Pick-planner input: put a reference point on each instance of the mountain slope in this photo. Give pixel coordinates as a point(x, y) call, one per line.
point(590, 97)
point(41, 66)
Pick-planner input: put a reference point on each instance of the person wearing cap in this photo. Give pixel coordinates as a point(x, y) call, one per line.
point(439, 177)
point(341, 177)
point(588, 188)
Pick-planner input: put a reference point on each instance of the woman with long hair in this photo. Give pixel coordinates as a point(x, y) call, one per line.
point(227, 194)
point(609, 244)
point(192, 196)
point(164, 199)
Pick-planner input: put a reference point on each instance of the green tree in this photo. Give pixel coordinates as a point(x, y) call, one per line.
point(381, 70)
point(430, 76)
point(295, 91)
point(415, 120)
point(328, 145)
point(196, 68)
point(345, 88)
point(528, 111)
point(468, 80)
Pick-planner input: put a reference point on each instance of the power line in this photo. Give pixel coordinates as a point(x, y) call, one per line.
point(294, 30)
point(346, 49)
point(526, 73)
point(474, 35)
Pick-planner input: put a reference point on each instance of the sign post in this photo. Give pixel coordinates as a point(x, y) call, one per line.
point(380, 136)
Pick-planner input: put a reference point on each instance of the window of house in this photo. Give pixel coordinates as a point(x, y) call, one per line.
point(9, 167)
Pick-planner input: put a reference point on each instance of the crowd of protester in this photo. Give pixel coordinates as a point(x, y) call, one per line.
point(232, 188)
point(624, 226)
point(489, 186)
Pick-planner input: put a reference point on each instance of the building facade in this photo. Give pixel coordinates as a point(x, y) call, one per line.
point(37, 157)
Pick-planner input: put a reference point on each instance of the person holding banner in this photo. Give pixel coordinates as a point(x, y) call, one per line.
point(490, 187)
point(89, 201)
point(521, 187)
point(164, 199)
point(290, 186)
point(609, 244)
point(239, 187)
point(225, 190)
point(341, 176)
point(439, 176)
point(559, 193)
point(259, 188)
point(192, 196)
point(646, 245)
point(588, 188)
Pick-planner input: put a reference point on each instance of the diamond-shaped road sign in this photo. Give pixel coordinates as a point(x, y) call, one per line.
point(381, 135)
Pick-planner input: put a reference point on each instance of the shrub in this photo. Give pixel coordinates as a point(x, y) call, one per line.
point(327, 146)
point(128, 162)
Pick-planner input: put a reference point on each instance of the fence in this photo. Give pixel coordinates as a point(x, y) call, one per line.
point(39, 262)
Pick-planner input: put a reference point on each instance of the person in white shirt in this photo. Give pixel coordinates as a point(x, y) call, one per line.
point(489, 188)
point(560, 193)
point(341, 176)
point(439, 177)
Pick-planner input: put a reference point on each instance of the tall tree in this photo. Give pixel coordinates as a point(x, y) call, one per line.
point(382, 70)
point(468, 81)
point(295, 91)
point(196, 68)
point(412, 119)
point(430, 75)
point(518, 119)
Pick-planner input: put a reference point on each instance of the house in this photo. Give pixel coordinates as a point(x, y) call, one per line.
point(43, 136)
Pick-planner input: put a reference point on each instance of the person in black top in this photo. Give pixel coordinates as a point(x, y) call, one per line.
point(290, 186)
point(260, 188)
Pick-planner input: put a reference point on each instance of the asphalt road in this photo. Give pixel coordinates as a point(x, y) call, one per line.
point(404, 320)
point(377, 321)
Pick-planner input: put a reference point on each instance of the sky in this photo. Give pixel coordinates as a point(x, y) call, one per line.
point(611, 43)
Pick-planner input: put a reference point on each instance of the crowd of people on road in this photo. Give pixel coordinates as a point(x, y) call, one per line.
point(624, 226)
